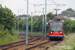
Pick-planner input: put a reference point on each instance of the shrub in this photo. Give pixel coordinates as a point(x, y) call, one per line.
point(69, 26)
point(9, 38)
point(3, 31)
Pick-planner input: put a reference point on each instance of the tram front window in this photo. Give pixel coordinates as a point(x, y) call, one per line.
point(56, 26)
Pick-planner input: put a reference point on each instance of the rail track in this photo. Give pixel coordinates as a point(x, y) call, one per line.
point(35, 41)
point(43, 45)
point(18, 43)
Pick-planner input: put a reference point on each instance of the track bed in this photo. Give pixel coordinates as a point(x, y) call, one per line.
point(35, 42)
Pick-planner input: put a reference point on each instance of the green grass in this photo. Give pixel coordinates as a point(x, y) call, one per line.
point(9, 38)
point(67, 44)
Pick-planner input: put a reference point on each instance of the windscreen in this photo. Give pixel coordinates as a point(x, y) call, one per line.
point(56, 26)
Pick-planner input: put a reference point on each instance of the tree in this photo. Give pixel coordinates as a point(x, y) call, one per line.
point(69, 26)
point(50, 16)
point(71, 10)
point(6, 18)
point(68, 11)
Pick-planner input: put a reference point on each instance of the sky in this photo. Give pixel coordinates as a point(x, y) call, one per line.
point(21, 5)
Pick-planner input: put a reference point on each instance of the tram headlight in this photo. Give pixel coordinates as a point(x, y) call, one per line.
point(50, 20)
point(60, 32)
point(63, 20)
point(51, 32)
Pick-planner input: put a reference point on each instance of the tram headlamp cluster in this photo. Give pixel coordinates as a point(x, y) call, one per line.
point(63, 20)
point(60, 32)
point(51, 32)
point(50, 20)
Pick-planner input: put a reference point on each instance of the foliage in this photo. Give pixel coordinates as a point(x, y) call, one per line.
point(37, 24)
point(71, 10)
point(68, 11)
point(3, 31)
point(6, 18)
point(69, 26)
point(9, 38)
point(50, 16)
point(7, 33)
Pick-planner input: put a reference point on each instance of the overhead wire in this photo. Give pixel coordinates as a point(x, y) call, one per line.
point(58, 4)
point(55, 3)
point(34, 5)
point(40, 1)
point(29, 3)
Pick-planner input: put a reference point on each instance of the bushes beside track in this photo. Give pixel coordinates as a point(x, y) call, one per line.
point(37, 22)
point(7, 23)
point(37, 25)
point(9, 38)
point(69, 26)
point(5, 35)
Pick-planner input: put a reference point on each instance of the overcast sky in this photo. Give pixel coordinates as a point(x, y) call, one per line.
point(14, 5)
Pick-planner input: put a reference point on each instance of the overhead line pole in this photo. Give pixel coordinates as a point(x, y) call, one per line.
point(43, 23)
point(31, 22)
point(18, 20)
point(27, 25)
point(29, 3)
point(15, 25)
point(22, 29)
point(45, 16)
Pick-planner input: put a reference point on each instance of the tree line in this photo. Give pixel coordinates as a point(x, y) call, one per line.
point(37, 22)
point(6, 21)
point(69, 26)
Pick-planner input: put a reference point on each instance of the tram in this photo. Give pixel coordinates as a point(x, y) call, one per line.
point(56, 28)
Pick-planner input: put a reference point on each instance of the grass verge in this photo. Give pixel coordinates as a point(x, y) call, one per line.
point(9, 38)
point(67, 44)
